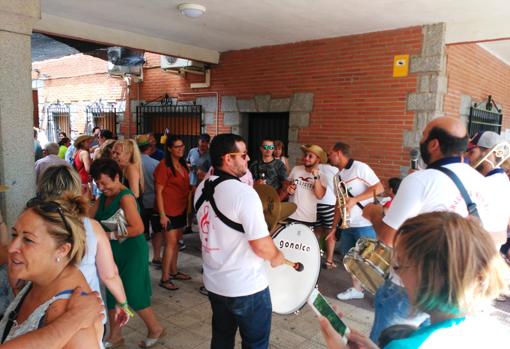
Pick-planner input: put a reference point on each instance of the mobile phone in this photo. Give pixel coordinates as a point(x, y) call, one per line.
point(321, 307)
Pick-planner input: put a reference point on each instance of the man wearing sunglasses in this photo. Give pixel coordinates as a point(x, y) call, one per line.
point(268, 170)
point(235, 244)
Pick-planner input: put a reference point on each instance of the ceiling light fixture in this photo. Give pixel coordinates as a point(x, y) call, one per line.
point(191, 10)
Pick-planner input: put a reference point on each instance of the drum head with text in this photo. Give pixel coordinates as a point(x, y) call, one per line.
point(289, 288)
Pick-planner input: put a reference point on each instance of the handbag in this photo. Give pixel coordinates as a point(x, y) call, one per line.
point(116, 223)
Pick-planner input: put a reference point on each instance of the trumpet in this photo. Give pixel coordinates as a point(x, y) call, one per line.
point(342, 195)
point(501, 152)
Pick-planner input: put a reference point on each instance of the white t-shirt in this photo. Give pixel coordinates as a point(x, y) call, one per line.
point(431, 190)
point(304, 196)
point(231, 268)
point(358, 177)
point(328, 172)
point(499, 185)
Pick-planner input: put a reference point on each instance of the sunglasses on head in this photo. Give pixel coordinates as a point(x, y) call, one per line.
point(52, 207)
point(268, 147)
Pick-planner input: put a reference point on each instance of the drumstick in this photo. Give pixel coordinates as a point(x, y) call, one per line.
point(296, 266)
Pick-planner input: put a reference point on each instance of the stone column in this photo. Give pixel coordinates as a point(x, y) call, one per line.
point(17, 18)
point(430, 66)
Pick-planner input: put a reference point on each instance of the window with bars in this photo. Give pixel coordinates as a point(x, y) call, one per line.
point(485, 116)
point(59, 120)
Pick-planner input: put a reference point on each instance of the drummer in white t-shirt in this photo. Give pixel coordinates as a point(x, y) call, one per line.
point(233, 261)
point(444, 141)
point(307, 185)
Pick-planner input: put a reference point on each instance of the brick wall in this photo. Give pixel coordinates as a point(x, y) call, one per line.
point(356, 99)
point(473, 71)
point(77, 81)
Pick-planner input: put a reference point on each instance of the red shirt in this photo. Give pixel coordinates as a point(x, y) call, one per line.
point(176, 189)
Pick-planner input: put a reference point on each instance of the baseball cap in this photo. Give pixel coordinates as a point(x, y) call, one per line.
point(485, 139)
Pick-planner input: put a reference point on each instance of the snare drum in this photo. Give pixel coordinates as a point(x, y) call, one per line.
point(289, 288)
point(369, 262)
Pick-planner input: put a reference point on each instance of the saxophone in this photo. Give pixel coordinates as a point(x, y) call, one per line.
point(342, 195)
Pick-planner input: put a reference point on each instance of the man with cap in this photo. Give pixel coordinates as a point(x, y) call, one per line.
point(361, 183)
point(307, 186)
point(479, 147)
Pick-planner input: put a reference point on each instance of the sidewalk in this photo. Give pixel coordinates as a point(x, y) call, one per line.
point(186, 314)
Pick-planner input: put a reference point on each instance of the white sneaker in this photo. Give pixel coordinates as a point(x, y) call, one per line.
point(351, 293)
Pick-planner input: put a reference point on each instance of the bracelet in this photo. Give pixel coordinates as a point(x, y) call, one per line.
point(162, 214)
point(127, 309)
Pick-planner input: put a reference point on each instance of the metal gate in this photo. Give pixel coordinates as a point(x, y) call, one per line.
point(59, 120)
point(266, 125)
point(184, 121)
point(486, 117)
point(102, 116)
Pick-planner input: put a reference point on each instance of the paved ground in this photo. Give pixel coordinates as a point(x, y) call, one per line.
point(186, 313)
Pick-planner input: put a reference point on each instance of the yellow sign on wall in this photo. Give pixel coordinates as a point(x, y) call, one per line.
point(400, 66)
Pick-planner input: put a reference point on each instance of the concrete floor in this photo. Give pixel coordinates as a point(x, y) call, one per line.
point(186, 313)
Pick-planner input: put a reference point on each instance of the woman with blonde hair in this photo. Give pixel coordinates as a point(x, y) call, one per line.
point(126, 153)
point(450, 269)
point(97, 262)
point(48, 240)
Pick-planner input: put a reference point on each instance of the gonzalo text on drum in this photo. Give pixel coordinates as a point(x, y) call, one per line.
point(294, 246)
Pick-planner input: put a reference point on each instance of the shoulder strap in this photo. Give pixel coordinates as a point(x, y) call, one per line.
point(350, 194)
point(208, 195)
point(471, 206)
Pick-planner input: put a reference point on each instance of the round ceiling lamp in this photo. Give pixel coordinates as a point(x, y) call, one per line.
point(191, 10)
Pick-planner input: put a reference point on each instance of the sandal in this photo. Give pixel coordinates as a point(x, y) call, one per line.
point(150, 342)
point(180, 276)
point(111, 345)
point(168, 285)
point(329, 265)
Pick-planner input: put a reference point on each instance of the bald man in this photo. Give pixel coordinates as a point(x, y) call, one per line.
point(443, 142)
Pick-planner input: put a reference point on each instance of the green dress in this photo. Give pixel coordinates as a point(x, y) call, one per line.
point(132, 259)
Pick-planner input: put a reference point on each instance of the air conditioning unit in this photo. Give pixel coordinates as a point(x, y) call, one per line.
point(123, 61)
point(181, 65)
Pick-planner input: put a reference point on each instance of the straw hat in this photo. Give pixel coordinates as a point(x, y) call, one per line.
point(82, 139)
point(315, 149)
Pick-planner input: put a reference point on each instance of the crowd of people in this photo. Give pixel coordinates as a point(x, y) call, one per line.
point(99, 200)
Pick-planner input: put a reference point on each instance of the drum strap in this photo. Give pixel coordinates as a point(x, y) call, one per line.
point(471, 206)
point(208, 195)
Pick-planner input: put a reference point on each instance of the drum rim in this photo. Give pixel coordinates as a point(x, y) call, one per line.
point(299, 307)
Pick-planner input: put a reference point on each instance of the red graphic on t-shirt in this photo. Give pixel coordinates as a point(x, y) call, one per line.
point(204, 222)
point(305, 179)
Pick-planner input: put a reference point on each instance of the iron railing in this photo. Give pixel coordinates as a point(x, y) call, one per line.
point(102, 116)
point(184, 120)
point(485, 117)
point(59, 120)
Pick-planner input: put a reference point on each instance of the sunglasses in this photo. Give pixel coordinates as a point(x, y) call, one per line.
point(52, 207)
point(242, 155)
point(268, 147)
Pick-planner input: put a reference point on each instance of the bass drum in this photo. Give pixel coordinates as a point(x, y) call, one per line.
point(289, 288)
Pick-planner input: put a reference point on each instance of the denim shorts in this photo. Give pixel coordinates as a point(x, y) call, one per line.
point(349, 237)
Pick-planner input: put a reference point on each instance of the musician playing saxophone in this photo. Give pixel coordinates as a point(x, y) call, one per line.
point(443, 143)
point(360, 183)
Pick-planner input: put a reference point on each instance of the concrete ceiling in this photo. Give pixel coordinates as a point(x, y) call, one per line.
point(237, 24)
point(500, 49)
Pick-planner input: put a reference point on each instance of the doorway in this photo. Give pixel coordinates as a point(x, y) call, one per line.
point(266, 125)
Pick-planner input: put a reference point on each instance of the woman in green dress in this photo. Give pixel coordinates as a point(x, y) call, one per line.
point(130, 250)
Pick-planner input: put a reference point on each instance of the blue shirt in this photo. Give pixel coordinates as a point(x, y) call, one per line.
point(197, 161)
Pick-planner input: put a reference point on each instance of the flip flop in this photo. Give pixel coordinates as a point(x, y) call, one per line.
point(168, 285)
point(180, 276)
point(150, 342)
point(112, 345)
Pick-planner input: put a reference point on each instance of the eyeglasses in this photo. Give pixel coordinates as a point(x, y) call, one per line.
point(178, 146)
point(268, 147)
point(50, 206)
point(309, 155)
point(242, 155)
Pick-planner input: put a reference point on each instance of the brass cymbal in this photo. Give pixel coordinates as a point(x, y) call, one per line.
point(3, 188)
point(270, 204)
